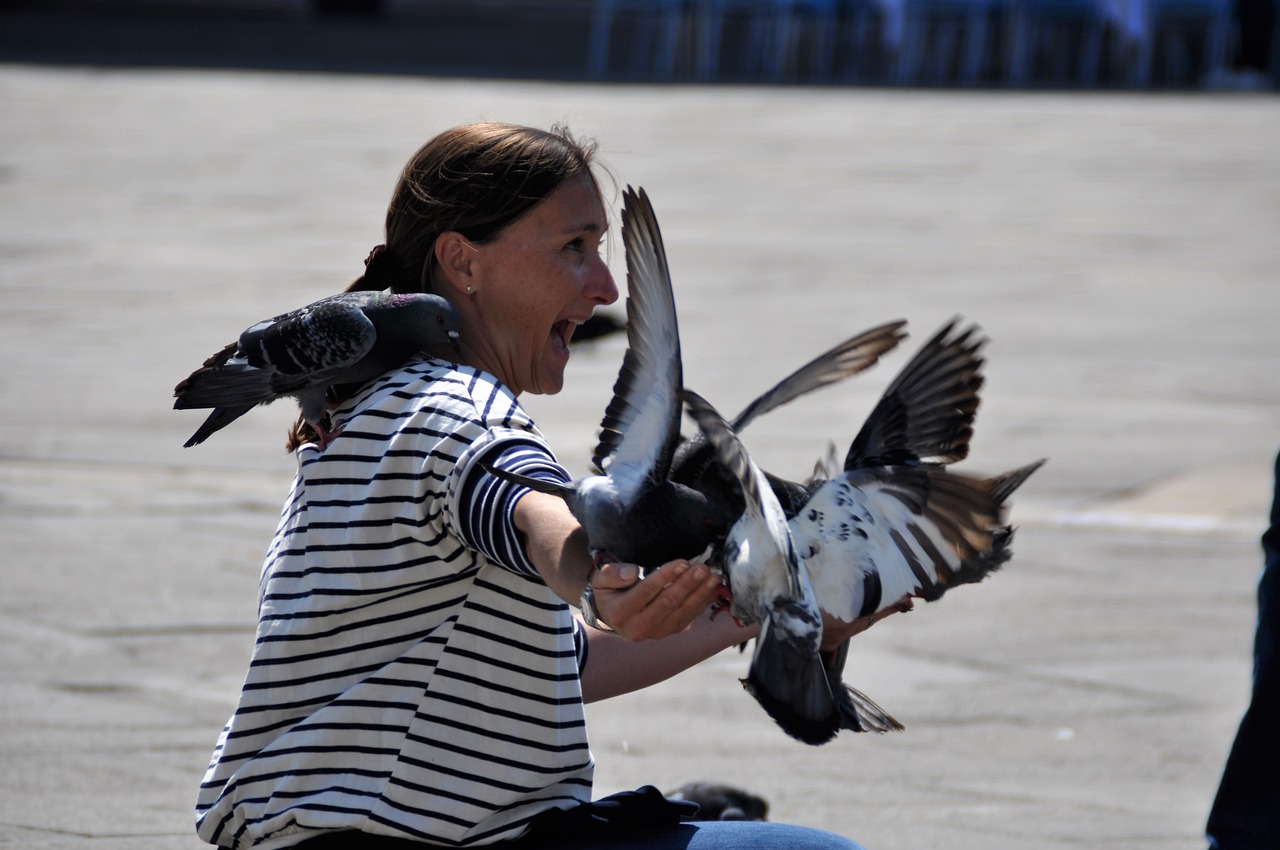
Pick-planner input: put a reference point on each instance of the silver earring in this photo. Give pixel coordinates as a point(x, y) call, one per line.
point(470, 289)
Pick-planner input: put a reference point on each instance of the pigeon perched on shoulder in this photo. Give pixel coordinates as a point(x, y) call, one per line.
point(641, 508)
point(350, 338)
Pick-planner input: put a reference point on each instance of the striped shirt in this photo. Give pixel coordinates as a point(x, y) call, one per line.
point(413, 675)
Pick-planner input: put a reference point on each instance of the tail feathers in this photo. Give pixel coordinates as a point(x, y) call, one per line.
point(1003, 485)
point(986, 560)
point(858, 712)
point(219, 419)
point(791, 686)
point(227, 385)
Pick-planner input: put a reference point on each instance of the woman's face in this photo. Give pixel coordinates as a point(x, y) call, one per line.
point(533, 285)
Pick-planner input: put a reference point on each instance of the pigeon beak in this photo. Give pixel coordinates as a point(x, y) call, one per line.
point(454, 341)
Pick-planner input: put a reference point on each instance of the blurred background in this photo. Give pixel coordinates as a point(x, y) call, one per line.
point(1086, 44)
point(1097, 184)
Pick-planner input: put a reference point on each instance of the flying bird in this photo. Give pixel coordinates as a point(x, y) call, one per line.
point(895, 504)
point(350, 338)
point(638, 507)
point(893, 525)
point(770, 587)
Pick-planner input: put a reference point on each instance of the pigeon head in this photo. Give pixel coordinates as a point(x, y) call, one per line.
point(430, 318)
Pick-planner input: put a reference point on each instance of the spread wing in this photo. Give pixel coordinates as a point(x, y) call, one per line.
point(641, 425)
point(927, 412)
point(873, 536)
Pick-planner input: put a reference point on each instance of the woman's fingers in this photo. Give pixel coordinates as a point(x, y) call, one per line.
point(665, 602)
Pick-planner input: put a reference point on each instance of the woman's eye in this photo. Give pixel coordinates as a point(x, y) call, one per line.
point(582, 243)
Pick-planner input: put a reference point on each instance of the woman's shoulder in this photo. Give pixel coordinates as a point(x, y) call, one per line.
point(438, 388)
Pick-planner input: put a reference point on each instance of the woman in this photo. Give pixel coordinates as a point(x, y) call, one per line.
point(417, 674)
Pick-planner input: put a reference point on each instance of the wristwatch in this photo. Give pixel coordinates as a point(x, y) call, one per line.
point(587, 604)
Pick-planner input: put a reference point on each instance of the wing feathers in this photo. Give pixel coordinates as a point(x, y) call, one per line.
point(641, 424)
point(927, 412)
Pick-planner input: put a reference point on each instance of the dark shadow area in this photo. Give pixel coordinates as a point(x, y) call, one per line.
point(532, 41)
point(1003, 44)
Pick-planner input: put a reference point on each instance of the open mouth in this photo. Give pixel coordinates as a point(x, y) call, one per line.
point(562, 332)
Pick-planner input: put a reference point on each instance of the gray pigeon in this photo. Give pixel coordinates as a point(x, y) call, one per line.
point(638, 509)
point(345, 339)
point(893, 525)
point(770, 587)
point(718, 801)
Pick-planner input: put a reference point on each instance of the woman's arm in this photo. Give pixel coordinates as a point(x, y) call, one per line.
point(617, 666)
point(662, 624)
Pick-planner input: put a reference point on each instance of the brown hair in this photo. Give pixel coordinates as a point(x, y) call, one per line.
point(474, 179)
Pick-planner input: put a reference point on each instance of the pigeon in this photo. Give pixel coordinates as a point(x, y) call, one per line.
point(635, 508)
point(717, 801)
point(893, 525)
point(912, 528)
point(770, 587)
point(344, 339)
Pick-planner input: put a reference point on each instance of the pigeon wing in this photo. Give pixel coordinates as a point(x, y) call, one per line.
point(927, 412)
point(854, 355)
point(873, 536)
point(850, 357)
point(310, 346)
point(763, 523)
point(641, 425)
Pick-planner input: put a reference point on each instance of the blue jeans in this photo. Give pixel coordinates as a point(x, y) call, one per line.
point(694, 835)
point(1246, 811)
point(720, 835)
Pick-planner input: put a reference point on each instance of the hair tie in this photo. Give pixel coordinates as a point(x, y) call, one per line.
point(378, 268)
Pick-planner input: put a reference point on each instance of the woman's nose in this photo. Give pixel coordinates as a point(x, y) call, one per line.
point(601, 287)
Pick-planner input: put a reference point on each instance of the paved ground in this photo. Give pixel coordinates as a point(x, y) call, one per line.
point(1120, 251)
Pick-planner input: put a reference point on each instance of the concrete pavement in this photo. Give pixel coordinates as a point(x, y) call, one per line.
point(1119, 250)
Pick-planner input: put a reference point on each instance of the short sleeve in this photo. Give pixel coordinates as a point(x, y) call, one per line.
point(483, 505)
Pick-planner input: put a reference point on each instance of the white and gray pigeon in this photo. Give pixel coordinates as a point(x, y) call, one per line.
point(894, 524)
point(771, 587)
point(637, 509)
point(345, 339)
point(922, 423)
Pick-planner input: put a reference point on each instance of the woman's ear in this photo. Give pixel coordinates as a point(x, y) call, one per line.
point(455, 258)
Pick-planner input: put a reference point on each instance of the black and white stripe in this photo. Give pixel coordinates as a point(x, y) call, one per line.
point(412, 674)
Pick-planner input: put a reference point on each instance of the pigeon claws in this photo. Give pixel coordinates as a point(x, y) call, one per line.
point(723, 602)
point(326, 435)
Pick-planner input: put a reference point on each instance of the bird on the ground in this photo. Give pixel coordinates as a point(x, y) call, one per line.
point(345, 339)
point(718, 801)
point(637, 509)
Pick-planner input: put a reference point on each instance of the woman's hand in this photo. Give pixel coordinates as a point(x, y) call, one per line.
point(664, 603)
point(836, 631)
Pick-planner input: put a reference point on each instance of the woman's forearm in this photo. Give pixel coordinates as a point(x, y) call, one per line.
point(616, 665)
